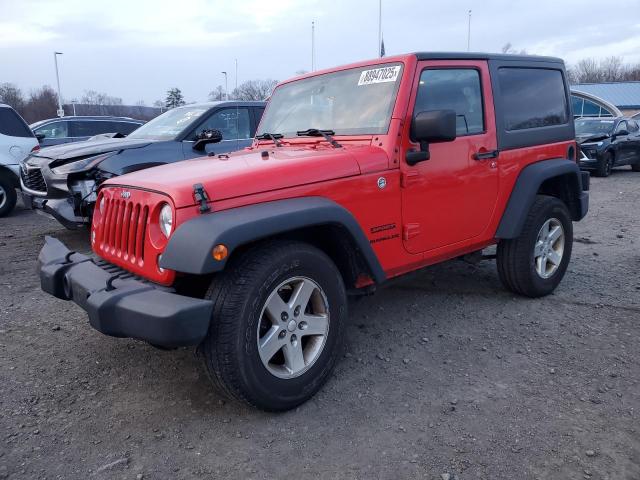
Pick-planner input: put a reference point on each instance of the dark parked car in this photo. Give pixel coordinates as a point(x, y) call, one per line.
point(55, 131)
point(607, 143)
point(63, 180)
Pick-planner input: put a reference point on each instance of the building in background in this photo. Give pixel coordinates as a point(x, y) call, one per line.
point(606, 99)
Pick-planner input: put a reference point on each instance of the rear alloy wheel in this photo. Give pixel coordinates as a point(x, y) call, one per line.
point(605, 165)
point(534, 263)
point(8, 196)
point(278, 318)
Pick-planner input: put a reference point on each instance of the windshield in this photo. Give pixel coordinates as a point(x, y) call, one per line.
point(168, 125)
point(594, 127)
point(349, 102)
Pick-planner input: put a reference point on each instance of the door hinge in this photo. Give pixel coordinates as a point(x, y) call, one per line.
point(410, 230)
point(409, 177)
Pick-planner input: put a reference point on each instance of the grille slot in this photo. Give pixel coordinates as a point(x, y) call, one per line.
point(124, 229)
point(33, 179)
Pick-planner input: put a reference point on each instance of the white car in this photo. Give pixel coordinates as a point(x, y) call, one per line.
point(16, 142)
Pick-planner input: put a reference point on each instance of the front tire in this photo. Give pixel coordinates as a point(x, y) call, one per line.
point(8, 196)
point(534, 263)
point(636, 167)
point(605, 165)
point(278, 318)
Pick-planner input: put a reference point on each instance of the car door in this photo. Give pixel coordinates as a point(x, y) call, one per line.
point(621, 143)
point(235, 125)
point(634, 141)
point(450, 197)
point(16, 138)
point(55, 133)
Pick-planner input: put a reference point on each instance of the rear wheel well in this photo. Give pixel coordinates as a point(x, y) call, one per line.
point(565, 187)
point(7, 173)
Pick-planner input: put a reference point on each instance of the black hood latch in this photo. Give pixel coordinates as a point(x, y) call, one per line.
point(201, 197)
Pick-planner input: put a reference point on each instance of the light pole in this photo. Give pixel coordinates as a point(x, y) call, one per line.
point(313, 46)
point(55, 61)
point(379, 28)
point(469, 33)
point(226, 86)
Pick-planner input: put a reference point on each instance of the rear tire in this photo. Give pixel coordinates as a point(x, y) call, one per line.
point(8, 196)
point(636, 167)
point(605, 165)
point(534, 263)
point(278, 318)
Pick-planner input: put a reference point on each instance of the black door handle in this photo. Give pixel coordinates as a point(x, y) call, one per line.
point(486, 155)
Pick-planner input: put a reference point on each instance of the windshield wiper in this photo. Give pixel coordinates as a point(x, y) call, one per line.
point(271, 136)
point(314, 132)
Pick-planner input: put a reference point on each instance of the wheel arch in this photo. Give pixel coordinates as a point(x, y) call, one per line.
point(10, 174)
point(560, 178)
point(315, 220)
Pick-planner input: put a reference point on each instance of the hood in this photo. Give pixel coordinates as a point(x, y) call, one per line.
point(87, 148)
point(591, 138)
point(249, 172)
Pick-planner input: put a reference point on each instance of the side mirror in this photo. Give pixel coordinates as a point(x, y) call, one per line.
point(206, 137)
point(621, 133)
point(40, 136)
point(432, 126)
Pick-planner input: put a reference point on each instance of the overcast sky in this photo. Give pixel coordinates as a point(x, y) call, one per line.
point(137, 49)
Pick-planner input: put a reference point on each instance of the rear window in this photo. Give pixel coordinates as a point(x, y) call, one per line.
point(532, 98)
point(12, 125)
point(89, 128)
point(124, 128)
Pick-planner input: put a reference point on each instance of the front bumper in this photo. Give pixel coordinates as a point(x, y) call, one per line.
point(61, 209)
point(120, 305)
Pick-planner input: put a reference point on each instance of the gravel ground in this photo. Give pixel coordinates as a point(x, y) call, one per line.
point(445, 375)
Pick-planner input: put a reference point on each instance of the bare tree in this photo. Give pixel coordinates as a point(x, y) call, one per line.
point(91, 97)
point(11, 95)
point(217, 94)
point(612, 69)
point(42, 103)
point(509, 50)
point(254, 90)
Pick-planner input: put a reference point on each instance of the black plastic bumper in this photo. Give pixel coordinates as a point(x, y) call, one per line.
point(61, 209)
point(119, 306)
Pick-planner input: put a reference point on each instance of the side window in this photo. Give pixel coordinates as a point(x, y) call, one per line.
point(533, 97)
point(591, 109)
point(633, 126)
point(622, 126)
point(576, 105)
point(453, 89)
point(232, 122)
point(12, 125)
point(54, 130)
point(89, 128)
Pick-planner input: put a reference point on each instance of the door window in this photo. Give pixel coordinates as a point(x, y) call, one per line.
point(456, 89)
point(622, 126)
point(54, 130)
point(633, 126)
point(12, 125)
point(233, 123)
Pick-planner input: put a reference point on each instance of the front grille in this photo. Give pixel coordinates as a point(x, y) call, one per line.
point(125, 224)
point(33, 179)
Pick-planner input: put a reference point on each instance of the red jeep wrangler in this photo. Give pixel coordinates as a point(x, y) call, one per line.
point(358, 174)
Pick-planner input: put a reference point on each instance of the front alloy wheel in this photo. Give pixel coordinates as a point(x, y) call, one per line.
point(293, 327)
point(278, 318)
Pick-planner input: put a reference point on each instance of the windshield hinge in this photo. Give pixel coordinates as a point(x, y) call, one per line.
point(201, 197)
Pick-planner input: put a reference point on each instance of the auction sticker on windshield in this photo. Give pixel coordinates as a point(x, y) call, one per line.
point(379, 75)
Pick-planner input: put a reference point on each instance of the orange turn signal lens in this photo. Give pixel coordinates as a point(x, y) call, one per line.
point(219, 252)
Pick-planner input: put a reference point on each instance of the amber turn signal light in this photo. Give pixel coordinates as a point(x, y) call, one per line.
point(219, 252)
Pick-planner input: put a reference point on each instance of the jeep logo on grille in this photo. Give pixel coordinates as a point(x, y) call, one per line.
point(125, 194)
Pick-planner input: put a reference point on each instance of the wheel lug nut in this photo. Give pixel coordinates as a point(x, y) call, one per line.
point(284, 316)
point(282, 334)
point(296, 312)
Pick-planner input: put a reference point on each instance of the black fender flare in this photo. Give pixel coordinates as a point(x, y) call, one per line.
point(190, 247)
point(528, 185)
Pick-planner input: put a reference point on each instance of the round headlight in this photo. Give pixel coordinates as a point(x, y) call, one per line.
point(166, 219)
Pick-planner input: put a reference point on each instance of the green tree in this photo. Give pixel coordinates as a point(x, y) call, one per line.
point(174, 98)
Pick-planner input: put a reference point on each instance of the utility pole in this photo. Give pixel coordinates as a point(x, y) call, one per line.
point(379, 28)
point(226, 86)
point(469, 33)
point(236, 74)
point(55, 61)
point(313, 46)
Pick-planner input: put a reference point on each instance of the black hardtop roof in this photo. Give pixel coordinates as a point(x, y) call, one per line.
point(503, 57)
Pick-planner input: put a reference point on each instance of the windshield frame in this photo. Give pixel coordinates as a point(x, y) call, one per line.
point(183, 132)
point(390, 62)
